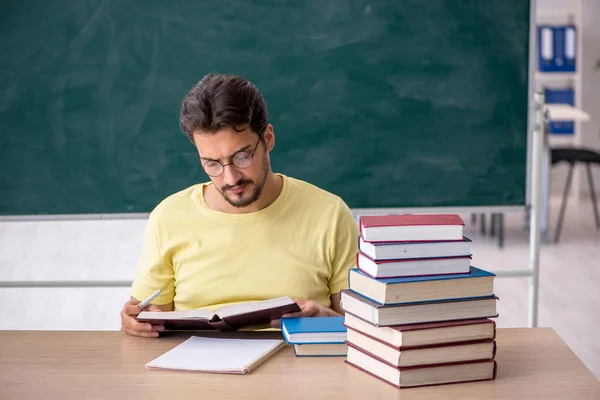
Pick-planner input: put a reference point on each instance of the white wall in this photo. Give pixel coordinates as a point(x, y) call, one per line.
point(591, 86)
point(589, 35)
point(89, 251)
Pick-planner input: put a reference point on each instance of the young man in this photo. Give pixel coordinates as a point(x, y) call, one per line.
point(248, 234)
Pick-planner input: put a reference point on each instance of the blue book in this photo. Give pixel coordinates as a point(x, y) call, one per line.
point(411, 289)
point(419, 312)
point(316, 336)
point(313, 330)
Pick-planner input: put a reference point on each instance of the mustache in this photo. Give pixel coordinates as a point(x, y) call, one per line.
point(238, 183)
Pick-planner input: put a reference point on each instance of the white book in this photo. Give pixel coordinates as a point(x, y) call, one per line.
point(403, 250)
point(413, 266)
point(215, 355)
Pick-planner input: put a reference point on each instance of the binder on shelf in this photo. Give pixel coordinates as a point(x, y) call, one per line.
point(546, 61)
point(561, 96)
point(557, 48)
point(570, 48)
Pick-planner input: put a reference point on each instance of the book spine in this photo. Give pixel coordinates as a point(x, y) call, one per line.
point(221, 325)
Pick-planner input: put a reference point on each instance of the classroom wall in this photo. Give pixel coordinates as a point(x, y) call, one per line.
point(108, 250)
point(590, 78)
point(591, 86)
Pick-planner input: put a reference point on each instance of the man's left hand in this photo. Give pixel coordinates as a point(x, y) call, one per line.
point(308, 308)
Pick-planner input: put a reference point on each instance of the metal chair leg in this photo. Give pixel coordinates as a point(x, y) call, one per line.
point(482, 224)
point(501, 230)
point(493, 225)
point(593, 195)
point(564, 203)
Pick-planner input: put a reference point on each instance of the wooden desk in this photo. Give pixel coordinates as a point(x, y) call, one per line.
point(532, 363)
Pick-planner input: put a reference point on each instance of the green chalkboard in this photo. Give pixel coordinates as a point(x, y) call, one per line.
point(385, 103)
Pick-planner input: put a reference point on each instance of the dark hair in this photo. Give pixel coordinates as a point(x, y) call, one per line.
point(220, 101)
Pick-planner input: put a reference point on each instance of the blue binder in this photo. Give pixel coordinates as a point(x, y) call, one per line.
point(546, 48)
point(570, 47)
point(561, 96)
point(557, 48)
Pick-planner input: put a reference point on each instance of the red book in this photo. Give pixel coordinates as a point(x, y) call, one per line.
point(411, 227)
point(409, 336)
point(443, 354)
point(422, 375)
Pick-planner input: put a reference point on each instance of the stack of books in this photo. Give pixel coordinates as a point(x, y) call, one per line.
point(417, 312)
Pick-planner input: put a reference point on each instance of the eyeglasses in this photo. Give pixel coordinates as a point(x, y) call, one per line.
point(241, 159)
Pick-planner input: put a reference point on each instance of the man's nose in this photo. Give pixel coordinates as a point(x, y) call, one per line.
point(231, 175)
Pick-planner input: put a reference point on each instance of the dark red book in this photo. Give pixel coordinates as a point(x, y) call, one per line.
point(411, 227)
point(410, 336)
point(440, 354)
point(257, 314)
point(421, 375)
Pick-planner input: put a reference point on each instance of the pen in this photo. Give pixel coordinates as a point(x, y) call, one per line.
point(149, 299)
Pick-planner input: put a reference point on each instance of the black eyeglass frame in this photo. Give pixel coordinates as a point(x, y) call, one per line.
point(251, 155)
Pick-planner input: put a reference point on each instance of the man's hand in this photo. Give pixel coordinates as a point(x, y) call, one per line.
point(135, 328)
point(308, 308)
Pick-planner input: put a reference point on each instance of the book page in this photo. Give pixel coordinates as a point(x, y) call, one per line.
point(216, 355)
point(243, 308)
point(201, 313)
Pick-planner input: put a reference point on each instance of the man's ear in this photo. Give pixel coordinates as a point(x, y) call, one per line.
point(269, 137)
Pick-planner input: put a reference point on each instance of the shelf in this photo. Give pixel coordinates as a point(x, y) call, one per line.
point(555, 76)
point(555, 12)
point(561, 140)
point(565, 112)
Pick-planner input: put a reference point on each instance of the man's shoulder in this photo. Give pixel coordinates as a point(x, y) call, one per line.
point(177, 202)
point(322, 209)
point(313, 194)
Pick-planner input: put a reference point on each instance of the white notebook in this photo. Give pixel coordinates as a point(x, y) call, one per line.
point(225, 356)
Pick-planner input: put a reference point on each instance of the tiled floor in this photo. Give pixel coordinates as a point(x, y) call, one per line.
point(569, 298)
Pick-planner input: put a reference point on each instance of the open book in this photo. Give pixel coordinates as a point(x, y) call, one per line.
point(255, 314)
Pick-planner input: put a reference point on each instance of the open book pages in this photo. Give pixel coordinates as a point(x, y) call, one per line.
point(215, 355)
point(245, 308)
point(223, 312)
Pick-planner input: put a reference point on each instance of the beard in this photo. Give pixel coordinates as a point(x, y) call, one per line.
point(251, 192)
